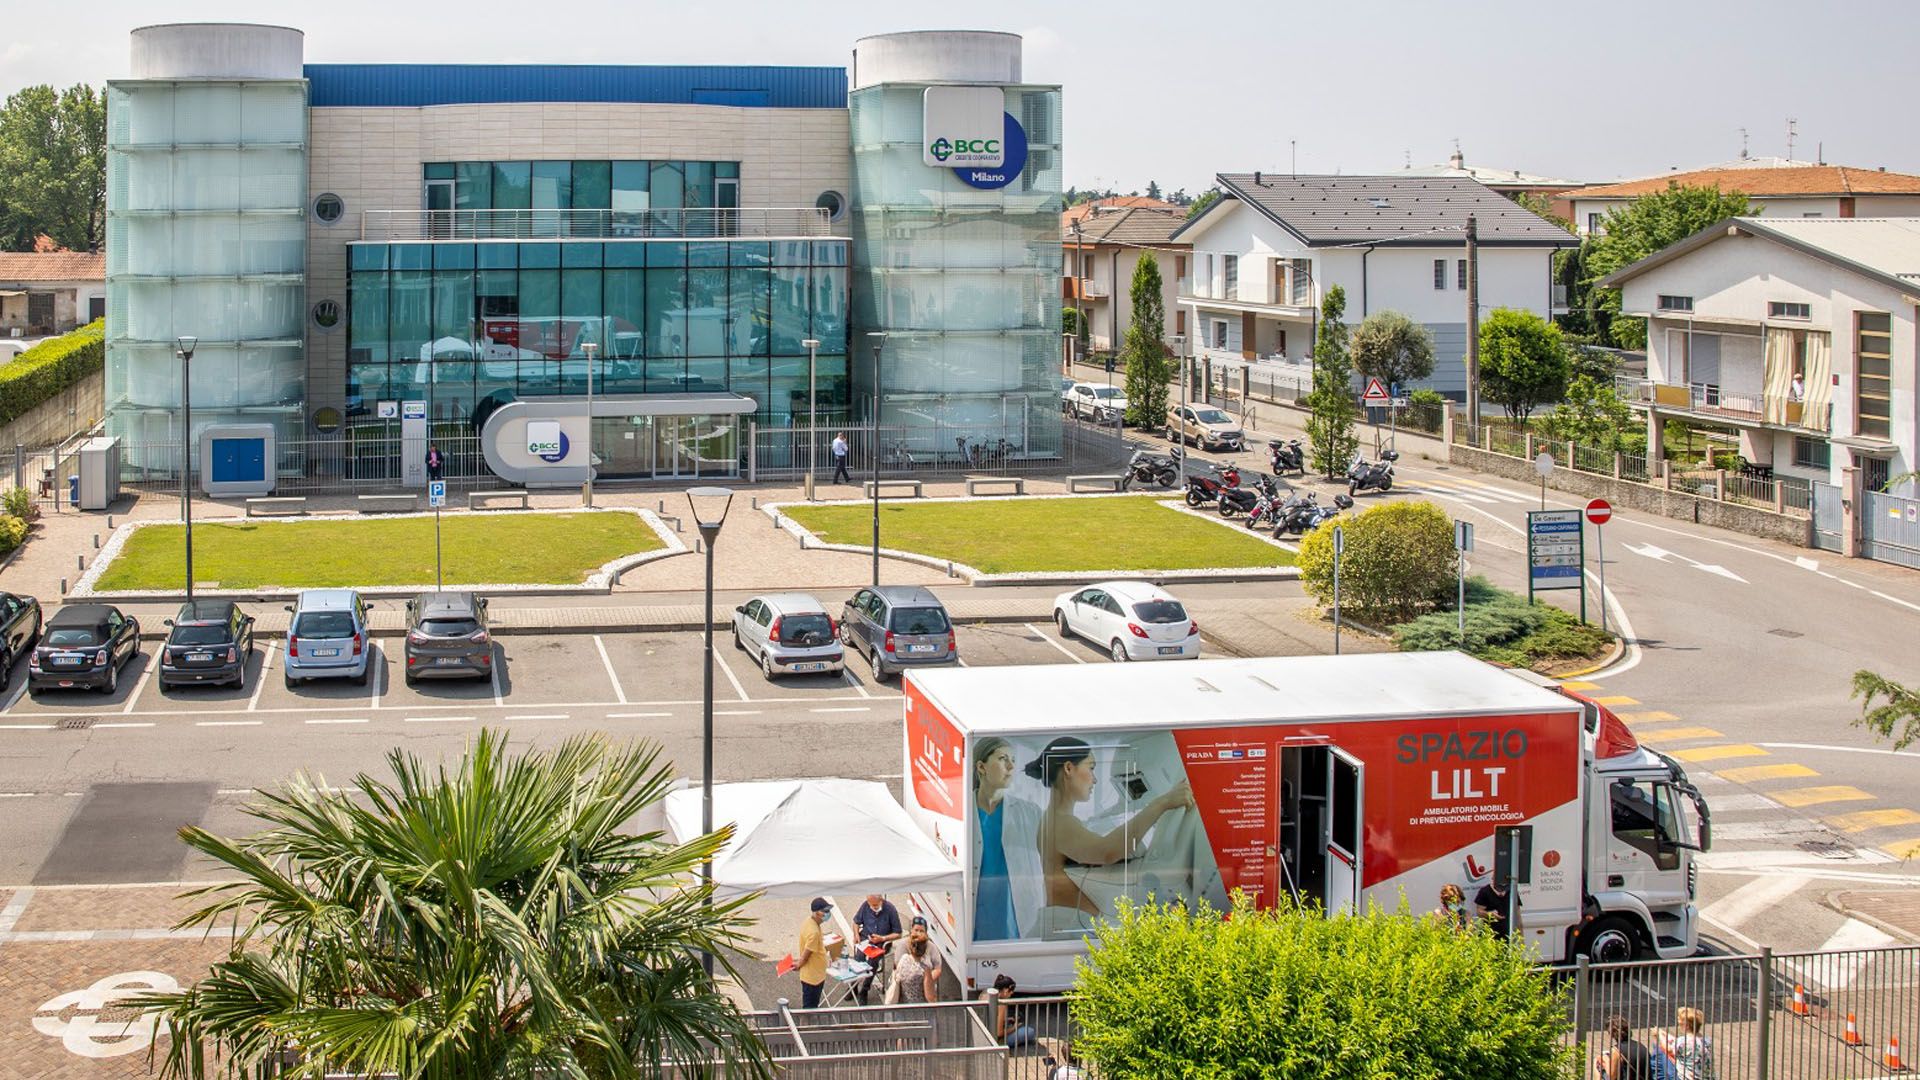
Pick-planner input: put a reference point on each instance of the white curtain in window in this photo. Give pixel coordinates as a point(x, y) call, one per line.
point(1779, 375)
point(1819, 380)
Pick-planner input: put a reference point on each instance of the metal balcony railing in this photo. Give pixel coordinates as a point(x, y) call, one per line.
point(747, 222)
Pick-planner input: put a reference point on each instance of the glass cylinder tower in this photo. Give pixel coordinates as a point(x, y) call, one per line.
point(206, 233)
point(960, 267)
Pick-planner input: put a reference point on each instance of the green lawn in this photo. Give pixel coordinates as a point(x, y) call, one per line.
point(1024, 535)
point(494, 549)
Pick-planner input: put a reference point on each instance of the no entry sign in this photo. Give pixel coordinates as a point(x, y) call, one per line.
point(1599, 512)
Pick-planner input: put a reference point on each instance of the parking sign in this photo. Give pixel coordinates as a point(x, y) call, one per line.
point(436, 493)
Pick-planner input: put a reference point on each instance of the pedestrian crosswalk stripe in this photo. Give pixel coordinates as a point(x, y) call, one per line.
point(1719, 753)
point(1903, 849)
point(1577, 684)
point(1610, 702)
point(1814, 796)
point(1747, 774)
point(1652, 716)
point(1498, 492)
point(1874, 819)
point(1452, 494)
point(1676, 734)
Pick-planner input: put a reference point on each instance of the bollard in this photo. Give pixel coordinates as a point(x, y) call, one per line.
point(109, 521)
point(776, 521)
point(756, 502)
point(950, 568)
point(80, 562)
point(96, 541)
point(63, 586)
point(663, 506)
point(696, 545)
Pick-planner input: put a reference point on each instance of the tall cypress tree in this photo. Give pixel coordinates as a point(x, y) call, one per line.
point(1331, 406)
point(1148, 367)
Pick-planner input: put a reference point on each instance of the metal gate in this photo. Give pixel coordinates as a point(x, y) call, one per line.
point(1826, 516)
point(1890, 528)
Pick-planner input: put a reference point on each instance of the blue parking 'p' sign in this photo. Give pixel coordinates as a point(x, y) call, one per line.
point(436, 493)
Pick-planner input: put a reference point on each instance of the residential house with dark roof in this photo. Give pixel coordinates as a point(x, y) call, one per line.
point(1265, 254)
point(1797, 333)
point(50, 292)
point(1790, 189)
point(1103, 250)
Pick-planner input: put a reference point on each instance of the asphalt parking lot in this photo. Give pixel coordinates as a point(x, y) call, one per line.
point(535, 677)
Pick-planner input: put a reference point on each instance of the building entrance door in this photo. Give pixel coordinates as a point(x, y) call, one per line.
point(668, 434)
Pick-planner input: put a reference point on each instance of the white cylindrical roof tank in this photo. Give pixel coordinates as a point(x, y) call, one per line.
point(217, 51)
point(937, 56)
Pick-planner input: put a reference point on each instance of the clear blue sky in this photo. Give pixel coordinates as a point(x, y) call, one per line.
point(1176, 93)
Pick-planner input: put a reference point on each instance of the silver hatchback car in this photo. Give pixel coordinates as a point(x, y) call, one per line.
point(328, 636)
point(898, 626)
point(788, 633)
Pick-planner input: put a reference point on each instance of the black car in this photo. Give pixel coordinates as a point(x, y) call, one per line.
point(19, 628)
point(211, 642)
point(84, 645)
point(447, 636)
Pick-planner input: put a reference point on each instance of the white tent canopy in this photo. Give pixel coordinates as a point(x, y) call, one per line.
point(814, 838)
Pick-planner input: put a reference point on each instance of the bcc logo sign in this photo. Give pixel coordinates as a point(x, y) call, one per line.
point(969, 149)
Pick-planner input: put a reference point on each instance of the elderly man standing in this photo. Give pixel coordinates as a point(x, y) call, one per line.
point(877, 924)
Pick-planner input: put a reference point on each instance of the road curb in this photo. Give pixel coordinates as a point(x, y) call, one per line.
point(1613, 657)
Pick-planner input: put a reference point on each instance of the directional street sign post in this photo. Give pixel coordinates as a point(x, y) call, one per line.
point(1556, 553)
point(1599, 512)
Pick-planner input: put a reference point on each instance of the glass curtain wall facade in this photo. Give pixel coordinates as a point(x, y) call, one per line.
point(965, 282)
point(468, 327)
point(206, 236)
point(628, 186)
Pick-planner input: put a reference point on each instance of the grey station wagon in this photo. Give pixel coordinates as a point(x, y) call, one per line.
point(898, 626)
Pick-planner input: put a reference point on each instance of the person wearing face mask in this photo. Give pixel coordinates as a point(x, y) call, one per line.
point(1065, 766)
point(1453, 907)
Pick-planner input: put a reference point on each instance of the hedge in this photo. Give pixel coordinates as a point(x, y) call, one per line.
point(1503, 627)
point(50, 367)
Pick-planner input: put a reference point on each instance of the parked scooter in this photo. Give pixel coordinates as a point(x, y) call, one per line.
point(1147, 468)
point(1234, 499)
point(1206, 485)
point(1286, 457)
point(1362, 476)
point(1293, 515)
point(1320, 515)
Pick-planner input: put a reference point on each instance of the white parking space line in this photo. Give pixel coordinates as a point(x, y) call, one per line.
point(1048, 638)
point(850, 708)
point(374, 675)
point(961, 662)
point(607, 662)
point(637, 715)
point(736, 712)
point(539, 716)
point(857, 685)
point(26, 727)
point(493, 675)
point(341, 720)
point(737, 688)
point(19, 691)
point(145, 677)
point(228, 723)
point(434, 719)
point(260, 680)
point(1756, 896)
point(136, 724)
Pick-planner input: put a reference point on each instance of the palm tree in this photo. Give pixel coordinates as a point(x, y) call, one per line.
point(484, 919)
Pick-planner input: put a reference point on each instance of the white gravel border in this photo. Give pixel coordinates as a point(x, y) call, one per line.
point(975, 576)
point(600, 581)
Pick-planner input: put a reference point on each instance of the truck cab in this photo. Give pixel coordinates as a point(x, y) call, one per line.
point(1646, 825)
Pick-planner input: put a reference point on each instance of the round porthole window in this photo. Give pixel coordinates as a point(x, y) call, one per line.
point(326, 314)
point(834, 203)
point(328, 208)
point(326, 420)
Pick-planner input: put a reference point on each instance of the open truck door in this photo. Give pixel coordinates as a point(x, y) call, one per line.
point(1344, 829)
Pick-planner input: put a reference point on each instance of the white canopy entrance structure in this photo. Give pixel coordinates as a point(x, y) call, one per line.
point(814, 838)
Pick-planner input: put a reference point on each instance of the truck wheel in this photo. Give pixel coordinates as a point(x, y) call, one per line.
point(1610, 940)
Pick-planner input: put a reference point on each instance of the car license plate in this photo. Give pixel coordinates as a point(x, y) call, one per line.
point(69, 660)
point(1171, 650)
point(326, 652)
point(447, 660)
point(815, 666)
point(199, 657)
point(920, 648)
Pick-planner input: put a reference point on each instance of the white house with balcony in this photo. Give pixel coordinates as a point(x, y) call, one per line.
point(1799, 333)
point(1267, 251)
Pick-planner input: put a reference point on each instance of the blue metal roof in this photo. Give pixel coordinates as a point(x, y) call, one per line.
point(404, 85)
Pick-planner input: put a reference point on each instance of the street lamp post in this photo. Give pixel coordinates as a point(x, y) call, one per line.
point(589, 348)
point(709, 506)
point(1180, 346)
point(183, 348)
point(813, 415)
point(877, 338)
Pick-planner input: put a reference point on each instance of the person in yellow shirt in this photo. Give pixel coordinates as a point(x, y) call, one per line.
point(812, 962)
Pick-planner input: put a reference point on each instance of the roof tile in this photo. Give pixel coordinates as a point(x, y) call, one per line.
point(24, 266)
point(1787, 180)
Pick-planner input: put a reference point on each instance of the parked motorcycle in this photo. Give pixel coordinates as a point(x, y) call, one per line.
point(1320, 515)
point(1147, 468)
point(1365, 476)
point(1205, 486)
point(1286, 457)
point(1293, 515)
point(1266, 503)
point(1234, 499)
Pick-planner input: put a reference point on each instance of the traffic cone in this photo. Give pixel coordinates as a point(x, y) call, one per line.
point(1800, 1000)
point(1892, 1058)
point(1852, 1036)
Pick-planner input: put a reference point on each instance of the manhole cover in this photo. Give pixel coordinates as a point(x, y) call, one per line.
point(77, 723)
point(1778, 632)
point(1827, 849)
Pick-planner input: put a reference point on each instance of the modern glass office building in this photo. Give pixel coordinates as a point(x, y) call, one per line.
point(483, 247)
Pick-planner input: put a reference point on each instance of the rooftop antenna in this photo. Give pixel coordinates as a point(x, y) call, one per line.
point(1409, 155)
point(1293, 156)
point(1793, 132)
point(1743, 144)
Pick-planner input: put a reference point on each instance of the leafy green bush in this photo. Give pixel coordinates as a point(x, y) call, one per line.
point(1502, 627)
point(1290, 993)
point(13, 533)
point(50, 367)
point(1399, 561)
point(19, 502)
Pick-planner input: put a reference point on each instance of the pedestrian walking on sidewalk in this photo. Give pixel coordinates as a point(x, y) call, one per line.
point(840, 459)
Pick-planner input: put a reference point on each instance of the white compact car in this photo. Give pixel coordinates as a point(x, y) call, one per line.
point(1132, 620)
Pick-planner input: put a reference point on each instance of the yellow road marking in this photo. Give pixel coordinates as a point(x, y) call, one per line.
point(1654, 716)
point(1610, 702)
point(1902, 849)
point(1677, 733)
point(1874, 819)
point(1746, 774)
point(1719, 753)
point(1577, 684)
point(1813, 796)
